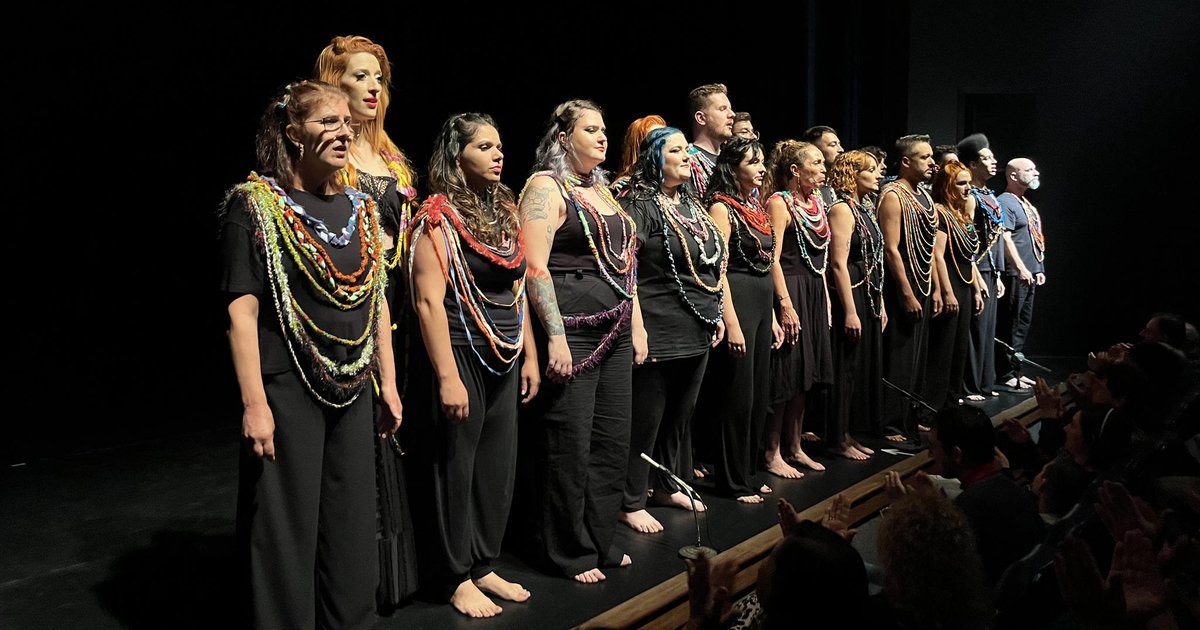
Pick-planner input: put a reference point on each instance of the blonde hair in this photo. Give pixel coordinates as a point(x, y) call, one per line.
point(843, 176)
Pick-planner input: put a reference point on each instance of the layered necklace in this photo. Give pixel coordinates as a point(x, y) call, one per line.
point(754, 220)
point(961, 244)
point(609, 262)
point(870, 239)
point(695, 226)
point(702, 168)
point(1035, 230)
point(919, 225)
point(284, 230)
point(431, 220)
point(812, 228)
point(994, 226)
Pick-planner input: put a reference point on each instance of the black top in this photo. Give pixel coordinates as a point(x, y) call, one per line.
point(244, 273)
point(382, 188)
point(1005, 519)
point(1016, 220)
point(570, 253)
point(496, 284)
point(671, 300)
point(989, 224)
point(791, 254)
point(913, 208)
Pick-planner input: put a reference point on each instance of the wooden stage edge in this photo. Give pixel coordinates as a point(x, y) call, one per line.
point(665, 606)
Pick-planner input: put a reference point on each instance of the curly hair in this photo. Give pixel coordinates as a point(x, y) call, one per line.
point(551, 155)
point(946, 194)
point(631, 145)
point(933, 568)
point(783, 156)
point(843, 177)
point(491, 217)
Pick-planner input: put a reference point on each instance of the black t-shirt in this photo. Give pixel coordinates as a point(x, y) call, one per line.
point(496, 284)
point(674, 328)
point(244, 272)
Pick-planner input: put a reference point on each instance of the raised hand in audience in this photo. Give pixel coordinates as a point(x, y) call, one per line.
point(837, 518)
point(1048, 399)
point(1121, 512)
point(1135, 568)
point(710, 585)
point(1089, 596)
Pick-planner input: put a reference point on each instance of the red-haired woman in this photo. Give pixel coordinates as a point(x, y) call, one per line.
point(634, 135)
point(954, 249)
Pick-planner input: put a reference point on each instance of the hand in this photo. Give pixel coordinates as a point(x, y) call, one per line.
point(719, 335)
point(853, 326)
point(938, 304)
point(983, 288)
point(1040, 278)
point(790, 320)
point(828, 315)
point(1024, 276)
point(710, 584)
point(979, 302)
point(787, 516)
point(949, 305)
point(1084, 590)
point(455, 403)
point(837, 518)
point(641, 345)
point(1048, 400)
point(559, 361)
point(912, 306)
point(776, 334)
point(1016, 432)
point(1122, 513)
point(1135, 568)
point(893, 485)
point(392, 413)
point(531, 378)
point(999, 288)
point(736, 342)
point(258, 429)
point(884, 319)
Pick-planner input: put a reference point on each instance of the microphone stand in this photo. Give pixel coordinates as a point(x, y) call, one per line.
point(915, 402)
point(688, 552)
point(1017, 359)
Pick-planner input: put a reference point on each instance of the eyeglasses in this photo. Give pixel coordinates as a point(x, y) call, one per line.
point(333, 123)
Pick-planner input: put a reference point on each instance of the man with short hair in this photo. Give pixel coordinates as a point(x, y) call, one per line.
point(1003, 515)
point(980, 377)
point(742, 127)
point(825, 139)
point(712, 124)
point(1024, 264)
point(911, 294)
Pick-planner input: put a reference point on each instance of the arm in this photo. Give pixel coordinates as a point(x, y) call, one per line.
point(981, 290)
point(393, 411)
point(258, 423)
point(841, 224)
point(719, 213)
point(542, 212)
point(531, 375)
point(943, 286)
point(789, 319)
point(889, 224)
point(429, 290)
point(641, 347)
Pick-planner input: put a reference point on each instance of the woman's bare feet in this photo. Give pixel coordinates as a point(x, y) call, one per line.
point(858, 445)
point(849, 452)
point(776, 466)
point(802, 458)
point(640, 521)
point(626, 560)
point(493, 584)
point(590, 576)
point(677, 500)
point(809, 436)
point(470, 601)
point(765, 489)
point(750, 499)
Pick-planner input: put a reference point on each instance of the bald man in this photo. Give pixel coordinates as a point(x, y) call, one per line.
point(1025, 250)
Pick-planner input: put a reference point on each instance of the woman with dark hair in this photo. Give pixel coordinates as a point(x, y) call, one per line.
point(954, 249)
point(856, 264)
point(582, 279)
point(794, 173)
point(631, 147)
point(733, 404)
point(467, 280)
point(681, 293)
point(308, 327)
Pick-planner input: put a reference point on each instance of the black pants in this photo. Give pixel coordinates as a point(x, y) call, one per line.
point(583, 430)
point(1017, 318)
point(905, 344)
point(462, 473)
point(980, 375)
point(664, 397)
point(856, 396)
point(949, 335)
point(306, 521)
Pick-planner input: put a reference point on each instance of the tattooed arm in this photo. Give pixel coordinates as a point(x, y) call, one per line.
point(542, 212)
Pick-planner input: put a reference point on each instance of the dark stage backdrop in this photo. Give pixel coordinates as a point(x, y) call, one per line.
point(165, 107)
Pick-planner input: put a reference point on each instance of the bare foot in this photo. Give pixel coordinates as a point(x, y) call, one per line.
point(470, 601)
point(809, 436)
point(626, 560)
point(862, 449)
point(802, 458)
point(750, 499)
point(922, 428)
point(780, 468)
point(765, 489)
point(895, 437)
point(590, 576)
point(698, 473)
point(975, 398)
point(849, 452)
point(640, 521)
point(493, 584)
point(679, 500)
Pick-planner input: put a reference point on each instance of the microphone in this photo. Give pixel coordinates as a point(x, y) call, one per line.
point(688, 552)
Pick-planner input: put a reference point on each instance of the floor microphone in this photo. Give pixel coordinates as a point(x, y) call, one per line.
point(688, 552)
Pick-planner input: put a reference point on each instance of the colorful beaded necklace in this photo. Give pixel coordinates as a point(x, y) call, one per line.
point(1035, 231)
point(756, 222)
point(870, 239)
point(812, 228)
point(919, 226)
point(433, 218)
point(702, 168)
point(993, 227)
point(671, 216)
point(338, 383)
point(609, 262)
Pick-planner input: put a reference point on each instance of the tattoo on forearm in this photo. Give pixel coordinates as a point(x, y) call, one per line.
point(545, 302)
point(535, 205)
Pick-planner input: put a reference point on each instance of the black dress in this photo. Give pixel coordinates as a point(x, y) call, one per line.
point(950, 334)
point(857, 392)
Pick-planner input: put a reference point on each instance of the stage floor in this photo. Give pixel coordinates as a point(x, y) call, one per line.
point(141, 536)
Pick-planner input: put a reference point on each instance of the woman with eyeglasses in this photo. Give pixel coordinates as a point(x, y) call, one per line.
point(308, 327)
point(467, 280)
point(376, 166)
